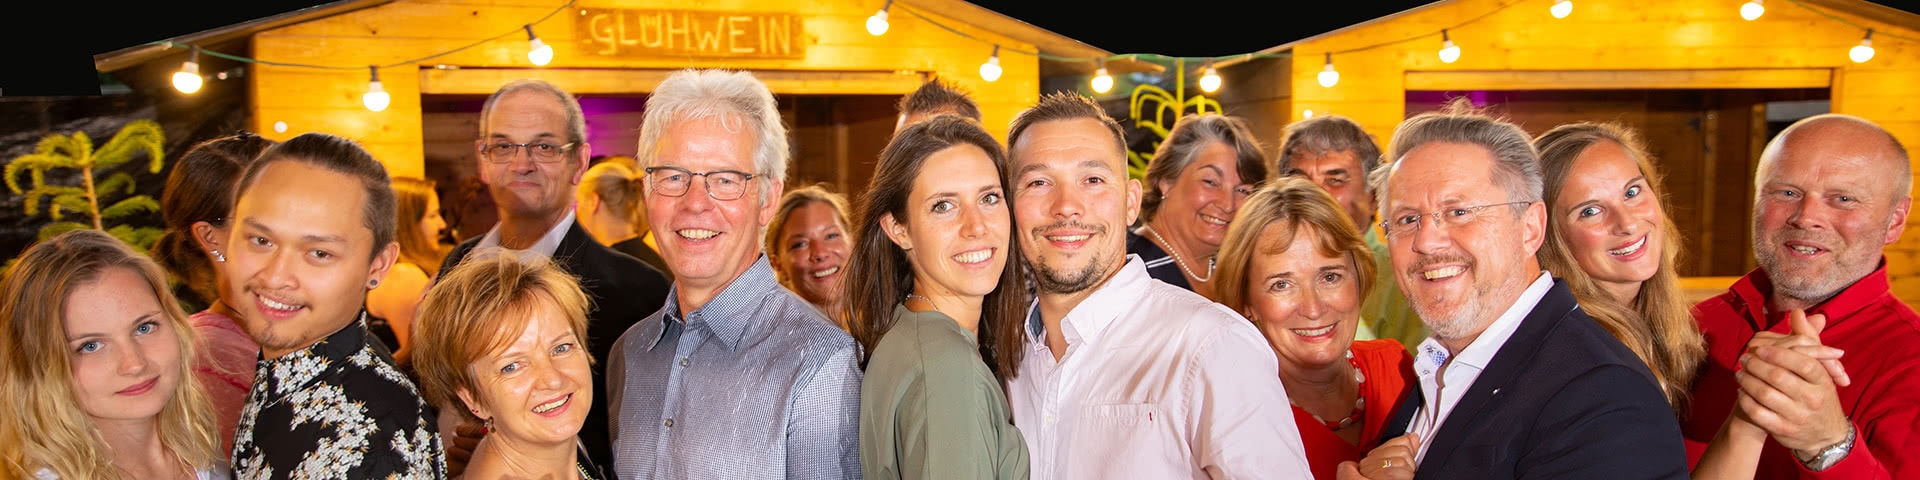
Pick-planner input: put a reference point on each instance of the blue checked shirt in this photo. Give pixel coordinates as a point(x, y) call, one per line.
point(756, 384)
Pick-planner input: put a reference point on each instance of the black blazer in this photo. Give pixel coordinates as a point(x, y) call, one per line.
point(1563, 398)
point(623, 290)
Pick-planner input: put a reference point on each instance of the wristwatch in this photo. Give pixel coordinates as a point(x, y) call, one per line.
point(1826, 457)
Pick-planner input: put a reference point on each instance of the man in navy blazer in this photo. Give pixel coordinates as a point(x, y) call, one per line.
point(1515, 381)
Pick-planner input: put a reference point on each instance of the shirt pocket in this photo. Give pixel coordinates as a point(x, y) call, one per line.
point(1135, 441)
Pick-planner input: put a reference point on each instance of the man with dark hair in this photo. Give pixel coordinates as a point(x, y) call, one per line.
point(933, 98)
point(532, 154)
point(1161, 382)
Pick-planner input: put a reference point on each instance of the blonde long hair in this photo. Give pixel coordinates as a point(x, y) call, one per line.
point(49, 429)
point(1658, 326)
point(410, 195)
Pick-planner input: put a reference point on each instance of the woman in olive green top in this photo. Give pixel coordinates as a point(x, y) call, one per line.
point(922, 296)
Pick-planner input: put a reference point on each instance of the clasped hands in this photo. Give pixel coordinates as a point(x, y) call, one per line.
point(1789, 387)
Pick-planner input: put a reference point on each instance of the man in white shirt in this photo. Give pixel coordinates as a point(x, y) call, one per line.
point(1515, 381)
point(1125, 376)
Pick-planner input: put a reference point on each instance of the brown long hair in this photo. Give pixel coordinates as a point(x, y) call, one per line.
point(879, 273)
point(1658, 326)
point(410, 196)
point(200, 189)
point(49, 430)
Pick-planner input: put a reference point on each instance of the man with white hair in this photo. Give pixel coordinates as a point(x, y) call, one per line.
point(735, 377)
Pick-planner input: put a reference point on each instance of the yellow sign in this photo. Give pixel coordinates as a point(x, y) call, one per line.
point(621, 32)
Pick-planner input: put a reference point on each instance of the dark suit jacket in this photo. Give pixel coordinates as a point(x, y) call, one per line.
point(623, 290)
point(1563, 398)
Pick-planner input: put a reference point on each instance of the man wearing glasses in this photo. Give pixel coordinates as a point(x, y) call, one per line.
point(735, 377)
point(1515, 380)
point(532, 153)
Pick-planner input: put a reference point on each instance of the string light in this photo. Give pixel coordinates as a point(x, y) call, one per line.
point(990, 71)
point(188, 80)
point(539, 52)
point(1864, 51)
point(1102, 82)
point(1210, 80)
point(1448, 51)
point(1752, 10)
point(1307, 113)
point(877, 24)
point(376, 98)
point(1329, 76)
point(1561, 8)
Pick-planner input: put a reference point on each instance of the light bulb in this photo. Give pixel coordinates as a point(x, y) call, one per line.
point(1752, 10)
point(1561, 8)
point(1449, 52)
point(990, 71)
point(1308, 113)
point(1210, 80)
point(877, 24)
point(376, 98)
point(1329, 76)
point(1102, 82)
point(1864, 51)
point(538, 52)
point(188, 80)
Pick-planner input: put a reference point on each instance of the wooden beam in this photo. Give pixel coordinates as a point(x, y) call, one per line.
point(1621, 79)
point(483, 81)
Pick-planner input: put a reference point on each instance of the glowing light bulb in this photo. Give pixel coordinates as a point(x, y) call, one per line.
point(990, 71)
point(1102, 82)
point(1752, 10)
point(1864, 51)
point(1449, 52)
point(376, 98)
point(1329, 76)
point(188, 79)
point(1308, 113)
point(1561, 8)
point(877, 24)
point(1210, 80)
point(538, 52)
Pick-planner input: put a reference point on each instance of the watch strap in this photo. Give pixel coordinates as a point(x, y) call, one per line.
point(1832, 454)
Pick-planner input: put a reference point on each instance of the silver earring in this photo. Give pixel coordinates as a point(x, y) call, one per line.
point(219, 257)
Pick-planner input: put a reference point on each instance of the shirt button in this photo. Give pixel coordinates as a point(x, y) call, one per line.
point(1049, 419)
point(669, 423)
point(684, 361)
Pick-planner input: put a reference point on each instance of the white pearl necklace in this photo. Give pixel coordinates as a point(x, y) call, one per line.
point(1178, 261)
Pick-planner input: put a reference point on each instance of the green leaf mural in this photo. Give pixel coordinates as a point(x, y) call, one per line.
point(74, 207)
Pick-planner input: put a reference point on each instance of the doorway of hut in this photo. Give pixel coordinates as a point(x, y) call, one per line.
point(1704, 142)
point(835, 140)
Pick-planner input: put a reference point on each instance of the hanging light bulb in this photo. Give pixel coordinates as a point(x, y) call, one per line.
point(1752, 10)
point(1864, 51)
point(188, 80)
point(1561, 8)
point(877, 24)
point(1210, 80)
point(1102, 82)
point(991, 70)
point(376, 98)
point(1308, 113)
point(539, 52)
point(1329, 76)
point(1449, 52)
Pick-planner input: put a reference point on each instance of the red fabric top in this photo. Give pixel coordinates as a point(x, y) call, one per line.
point(1389, 371)
point(1881, 337)
point(224, 366)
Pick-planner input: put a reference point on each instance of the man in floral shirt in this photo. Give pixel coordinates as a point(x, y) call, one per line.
point(313, 230)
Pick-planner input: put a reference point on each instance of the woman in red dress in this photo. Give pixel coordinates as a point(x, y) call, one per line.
point(1295, 265)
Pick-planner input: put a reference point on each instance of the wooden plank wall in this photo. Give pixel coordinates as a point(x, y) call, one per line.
point(1623, 35)
point(329, 100)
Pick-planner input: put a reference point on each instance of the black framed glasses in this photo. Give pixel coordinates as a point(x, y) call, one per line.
point(721, 184)
point(541, 152)
point(1452, 217)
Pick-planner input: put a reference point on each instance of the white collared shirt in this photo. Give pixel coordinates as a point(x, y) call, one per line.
point(1436, 401)
point(548, 243)
point(1157, 382)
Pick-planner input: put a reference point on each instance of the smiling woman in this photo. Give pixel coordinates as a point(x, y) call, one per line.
point(807, 244)
point(1208, 165)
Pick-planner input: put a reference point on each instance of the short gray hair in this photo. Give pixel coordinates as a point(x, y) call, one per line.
point(1516, 166)
point(1327, 134)
point(576, 121)
point(735, 98)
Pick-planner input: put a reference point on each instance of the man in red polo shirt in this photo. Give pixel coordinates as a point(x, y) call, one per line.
point(1831, 192)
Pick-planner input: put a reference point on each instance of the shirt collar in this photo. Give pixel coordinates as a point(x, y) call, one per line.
point(1120, 295)
point(1478, 354)
point(1754, 289)
point(729, 313)
point(548, 243)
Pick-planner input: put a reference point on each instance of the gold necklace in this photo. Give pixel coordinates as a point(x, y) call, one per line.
point(1178, 261)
